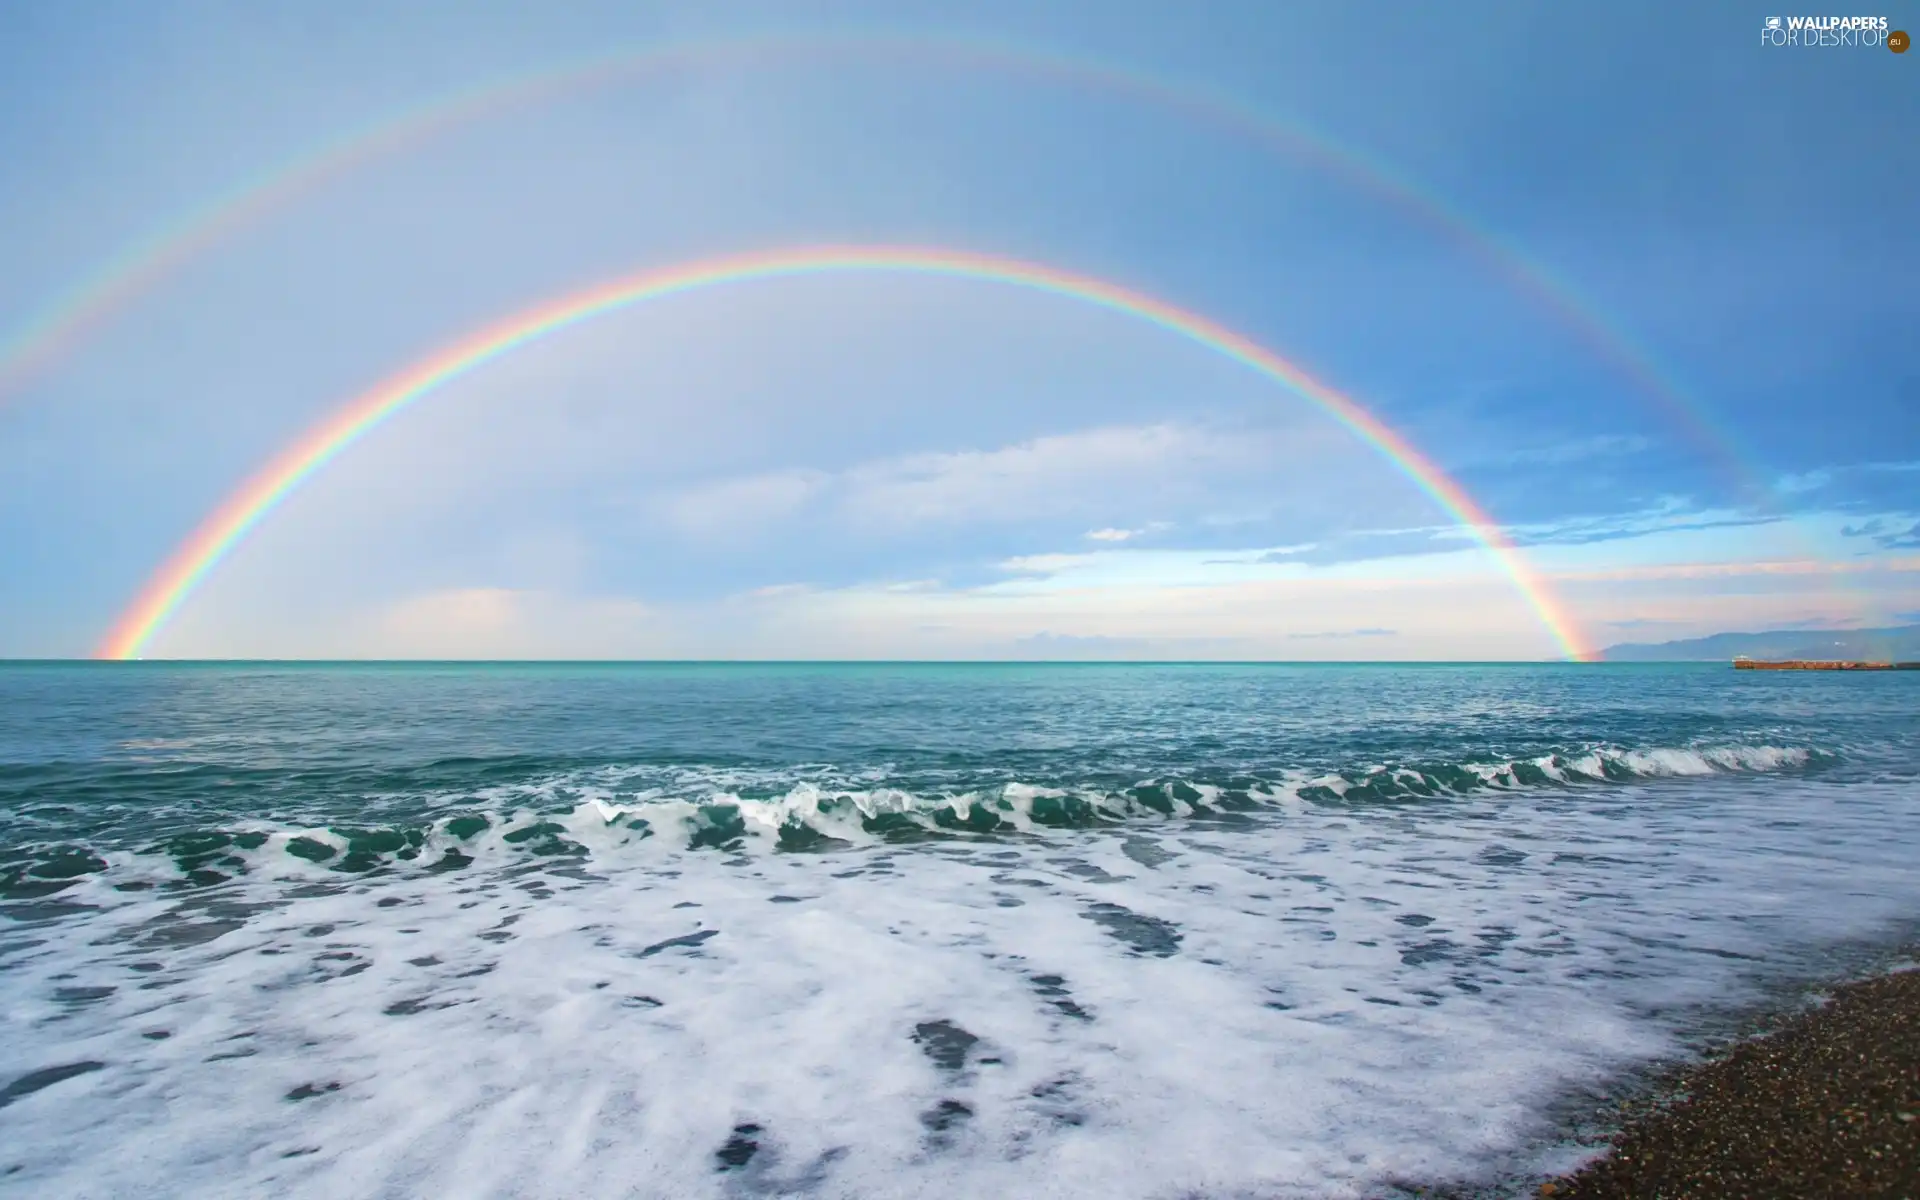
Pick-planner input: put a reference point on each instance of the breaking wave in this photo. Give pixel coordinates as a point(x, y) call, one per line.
point(579, 816)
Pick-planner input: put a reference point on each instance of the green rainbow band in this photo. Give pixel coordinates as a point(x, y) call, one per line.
point(245, 508)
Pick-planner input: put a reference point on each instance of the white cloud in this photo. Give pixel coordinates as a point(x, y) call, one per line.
point(482, 622)
point(1056, 475)
point(1045, 564)
point(775, 591)
point(746, 502)
point(1475, 615)
point(1115, 601)
point(1091, 472)
point(487, 622)
point(1802, 482)
point(1121, 535)
point(1337, 634)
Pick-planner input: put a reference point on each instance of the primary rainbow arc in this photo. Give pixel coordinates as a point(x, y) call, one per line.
point(245, 508)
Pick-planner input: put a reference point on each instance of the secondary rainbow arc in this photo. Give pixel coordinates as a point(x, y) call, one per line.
point(44, 335)
point(245, 508)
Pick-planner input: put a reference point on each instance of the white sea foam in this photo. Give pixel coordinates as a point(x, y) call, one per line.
point(1310, 1000)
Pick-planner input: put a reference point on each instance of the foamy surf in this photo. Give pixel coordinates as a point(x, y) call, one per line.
point(1312, 1002)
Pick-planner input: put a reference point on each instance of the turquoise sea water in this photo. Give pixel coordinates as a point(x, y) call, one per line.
point(710, 929)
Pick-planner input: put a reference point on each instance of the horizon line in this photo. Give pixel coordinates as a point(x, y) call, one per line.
point(801, 662)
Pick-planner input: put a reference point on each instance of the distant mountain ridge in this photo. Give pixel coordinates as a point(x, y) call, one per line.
point(1898, 642)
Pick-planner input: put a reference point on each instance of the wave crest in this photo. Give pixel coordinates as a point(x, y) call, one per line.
point(575, 819)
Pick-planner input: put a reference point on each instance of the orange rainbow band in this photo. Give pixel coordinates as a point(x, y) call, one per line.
point(242, 511)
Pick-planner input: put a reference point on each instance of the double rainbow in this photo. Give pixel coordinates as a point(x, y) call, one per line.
point(247, 507)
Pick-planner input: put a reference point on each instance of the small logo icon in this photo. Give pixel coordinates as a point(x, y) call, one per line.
point(1898, 41)
point(1773, 23)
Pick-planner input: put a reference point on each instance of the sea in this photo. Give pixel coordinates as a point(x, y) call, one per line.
point(872, 930)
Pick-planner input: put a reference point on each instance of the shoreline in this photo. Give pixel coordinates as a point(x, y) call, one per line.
point(1824, 1102)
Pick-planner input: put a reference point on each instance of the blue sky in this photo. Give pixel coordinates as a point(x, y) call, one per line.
point(912, 467)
